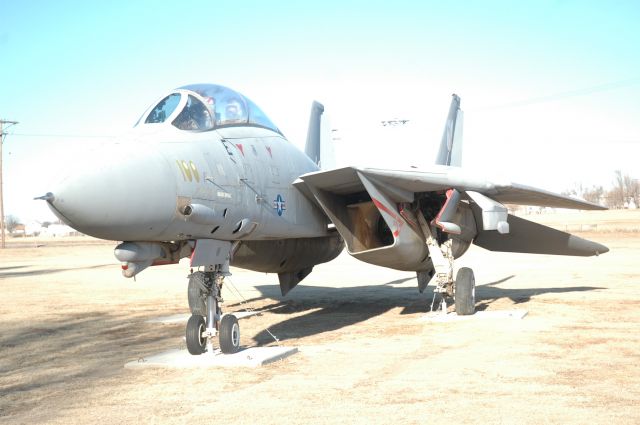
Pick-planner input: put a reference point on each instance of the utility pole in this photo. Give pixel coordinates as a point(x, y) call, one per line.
point(2, 122)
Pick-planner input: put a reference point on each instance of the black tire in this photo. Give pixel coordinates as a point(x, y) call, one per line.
point(465, 294)
point(229, 335)
point(197, 294)
point(196, 344)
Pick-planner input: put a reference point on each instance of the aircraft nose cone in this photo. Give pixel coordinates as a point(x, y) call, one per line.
point(117, 192)
point(601, 249)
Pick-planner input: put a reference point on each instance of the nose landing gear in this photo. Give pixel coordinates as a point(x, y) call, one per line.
point(206, 321)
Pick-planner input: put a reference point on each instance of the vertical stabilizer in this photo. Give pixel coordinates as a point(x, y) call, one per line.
point(312, 148)
point(450, 152)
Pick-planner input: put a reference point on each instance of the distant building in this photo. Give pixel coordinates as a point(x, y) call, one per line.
point(33, 228)
point(58, 230)
point(18, 230)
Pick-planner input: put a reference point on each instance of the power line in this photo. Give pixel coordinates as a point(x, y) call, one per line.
point(62, 135)
point(563, 95)
point(2, 133)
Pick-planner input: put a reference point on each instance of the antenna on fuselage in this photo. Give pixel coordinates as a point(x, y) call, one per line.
point(312, 148)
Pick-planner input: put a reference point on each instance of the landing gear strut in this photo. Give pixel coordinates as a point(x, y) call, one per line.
point(206, 321)
point(463, 289)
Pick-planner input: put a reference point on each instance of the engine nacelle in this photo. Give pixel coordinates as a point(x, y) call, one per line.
point(371, 239)
point(286, 255)
point(379, 225)
point(376, 226)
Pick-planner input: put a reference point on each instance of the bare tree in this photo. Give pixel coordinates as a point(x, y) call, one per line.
point(617, 193)
point(631, 188)
point(11, 222)
point(624, 187)
point(593, 194)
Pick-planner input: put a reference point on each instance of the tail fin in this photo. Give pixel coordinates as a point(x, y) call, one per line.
point(312, 148)
point(450, 152)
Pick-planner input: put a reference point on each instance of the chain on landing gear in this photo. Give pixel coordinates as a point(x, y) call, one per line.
point(444, 288)
point(444, 279)
point(207, 321)
point(442, 258)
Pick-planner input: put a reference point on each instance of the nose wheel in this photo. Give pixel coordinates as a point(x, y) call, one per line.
point(196, 341)
point(229, 336)
point(206, 321)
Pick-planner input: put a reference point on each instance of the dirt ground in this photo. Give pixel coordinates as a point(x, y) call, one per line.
point(69, 322)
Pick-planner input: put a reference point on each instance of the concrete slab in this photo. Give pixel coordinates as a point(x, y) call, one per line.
point(453, 317)
point(249, 357)
point(168, 320)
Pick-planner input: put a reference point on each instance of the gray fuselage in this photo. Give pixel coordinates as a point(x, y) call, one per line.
point(138, 189)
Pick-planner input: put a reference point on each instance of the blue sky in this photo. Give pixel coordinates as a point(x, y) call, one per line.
point(550, 88)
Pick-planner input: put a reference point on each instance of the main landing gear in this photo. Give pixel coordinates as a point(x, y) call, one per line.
point(206, 321)
point(463, 289)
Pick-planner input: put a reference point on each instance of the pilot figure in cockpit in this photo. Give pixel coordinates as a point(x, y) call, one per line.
point(211, 103)
point(233, 110)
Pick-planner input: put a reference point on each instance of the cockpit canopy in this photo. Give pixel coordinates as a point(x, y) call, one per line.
point(202, 107)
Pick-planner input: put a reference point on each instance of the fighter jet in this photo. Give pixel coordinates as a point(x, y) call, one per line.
point(205, 174)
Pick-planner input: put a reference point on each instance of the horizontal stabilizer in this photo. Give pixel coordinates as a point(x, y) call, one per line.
point(532, 238)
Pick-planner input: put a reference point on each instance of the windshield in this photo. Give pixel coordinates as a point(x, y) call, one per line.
point(201, 107)
point(230, 108)
point(163, 109)
point(194, 116)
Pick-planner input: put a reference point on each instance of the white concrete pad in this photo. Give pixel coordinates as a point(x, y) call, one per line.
point(249, 357)
point(453, 317)
point(183, 318)
point(167, 320)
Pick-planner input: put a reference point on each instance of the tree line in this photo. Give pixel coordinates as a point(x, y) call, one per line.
point(624, 190)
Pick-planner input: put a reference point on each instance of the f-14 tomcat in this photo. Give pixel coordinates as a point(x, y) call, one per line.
point(205, 174)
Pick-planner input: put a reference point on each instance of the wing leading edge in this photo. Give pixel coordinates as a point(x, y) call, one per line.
point(406, 186)
point(345, 180)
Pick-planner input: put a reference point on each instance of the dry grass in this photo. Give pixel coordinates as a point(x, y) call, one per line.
point(69, 322)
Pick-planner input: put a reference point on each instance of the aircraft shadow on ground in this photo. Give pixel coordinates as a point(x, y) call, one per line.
point(330, 309)
point(38, 272)
point(2, 269)
point(71, 348)
point(488, 293)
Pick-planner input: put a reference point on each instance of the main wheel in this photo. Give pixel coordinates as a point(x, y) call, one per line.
point(196, 343)
point(229, 334)
point(465, 292)
point(197, 294)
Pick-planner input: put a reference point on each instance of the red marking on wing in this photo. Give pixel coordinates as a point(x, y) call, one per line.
point(436, 220)
point(397, 219)
point(240, 148)
point(193, 252)
point(407, 218)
